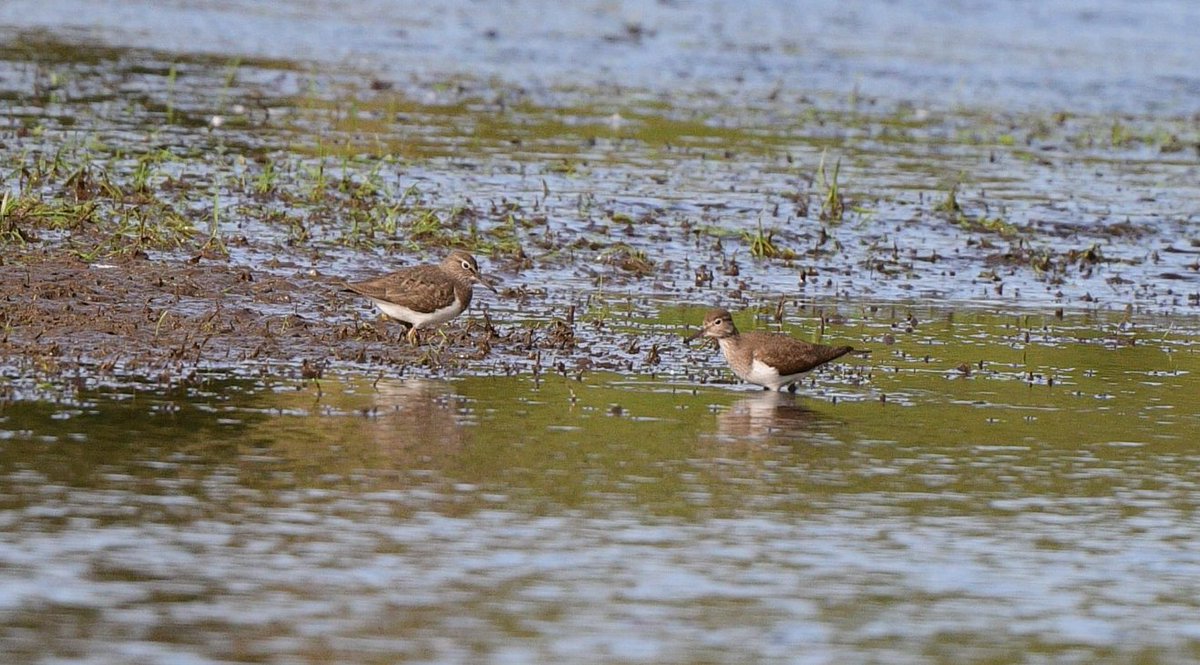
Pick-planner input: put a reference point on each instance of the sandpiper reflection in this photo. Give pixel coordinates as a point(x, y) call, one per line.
point(765, 414)
point(416, 421)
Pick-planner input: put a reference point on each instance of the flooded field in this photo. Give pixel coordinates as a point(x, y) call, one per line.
point(209, 454)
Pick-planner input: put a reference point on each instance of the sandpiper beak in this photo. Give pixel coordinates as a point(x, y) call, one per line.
point(486, 284)
point(698, 333)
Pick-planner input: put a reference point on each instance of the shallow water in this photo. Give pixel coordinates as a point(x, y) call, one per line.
point(1041, 508)
point(1007, 475)
point(1057, 55)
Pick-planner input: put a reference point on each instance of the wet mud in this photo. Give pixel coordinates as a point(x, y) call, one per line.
point(64, 318)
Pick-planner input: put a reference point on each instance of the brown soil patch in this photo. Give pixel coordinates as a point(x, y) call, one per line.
point(168, 319)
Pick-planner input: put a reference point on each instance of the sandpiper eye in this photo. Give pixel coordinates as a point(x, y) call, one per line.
point(467, 266)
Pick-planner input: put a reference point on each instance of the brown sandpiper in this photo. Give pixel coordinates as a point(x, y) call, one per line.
point(771, 360)
point(425, 296)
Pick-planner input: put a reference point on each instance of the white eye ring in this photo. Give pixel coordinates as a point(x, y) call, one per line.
point(466, 265)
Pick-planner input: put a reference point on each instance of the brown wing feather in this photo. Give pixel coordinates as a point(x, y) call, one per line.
point(422, 288)
point(793, 356)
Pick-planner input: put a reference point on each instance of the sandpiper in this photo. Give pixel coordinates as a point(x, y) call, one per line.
point(425, 296)
point(771, 360)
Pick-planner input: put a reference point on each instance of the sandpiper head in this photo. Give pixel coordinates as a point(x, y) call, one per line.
point(718, 323)
point(462, 266)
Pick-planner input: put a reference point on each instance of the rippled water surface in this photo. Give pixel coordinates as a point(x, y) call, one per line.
point(965, 493)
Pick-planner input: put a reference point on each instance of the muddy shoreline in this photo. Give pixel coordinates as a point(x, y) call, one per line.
point(168, 320)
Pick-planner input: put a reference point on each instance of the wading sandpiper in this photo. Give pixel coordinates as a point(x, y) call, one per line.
point(771, 360)
point(425, 296)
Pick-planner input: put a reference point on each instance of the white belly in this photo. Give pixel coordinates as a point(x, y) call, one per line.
point(765, 375)
point(419, 319)
point(759, 372)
